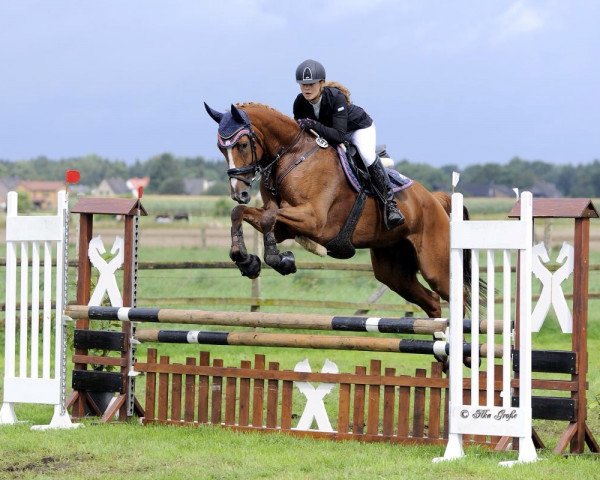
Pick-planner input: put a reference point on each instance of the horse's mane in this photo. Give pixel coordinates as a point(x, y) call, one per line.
point(262, 106)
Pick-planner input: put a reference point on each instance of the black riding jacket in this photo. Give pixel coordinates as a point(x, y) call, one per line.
point(336, 119)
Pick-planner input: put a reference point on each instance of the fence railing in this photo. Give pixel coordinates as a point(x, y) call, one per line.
point(255, 300)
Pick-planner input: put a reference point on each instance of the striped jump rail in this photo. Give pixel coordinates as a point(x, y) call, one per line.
point(400, 325)
point(439, 348)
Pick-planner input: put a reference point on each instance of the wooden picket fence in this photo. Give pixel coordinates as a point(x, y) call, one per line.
point(371, 406)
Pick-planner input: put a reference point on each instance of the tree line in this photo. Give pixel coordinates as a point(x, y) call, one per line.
point(571, 180)
point(167, 173)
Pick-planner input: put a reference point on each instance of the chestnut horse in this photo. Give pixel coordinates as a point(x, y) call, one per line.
point(307, 196)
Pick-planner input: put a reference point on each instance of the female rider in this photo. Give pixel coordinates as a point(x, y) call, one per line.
point(326, 108)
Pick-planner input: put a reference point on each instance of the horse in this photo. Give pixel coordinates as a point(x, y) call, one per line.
point(306, 196)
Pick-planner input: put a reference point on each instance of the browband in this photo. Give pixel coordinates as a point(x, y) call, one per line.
point(233, 139)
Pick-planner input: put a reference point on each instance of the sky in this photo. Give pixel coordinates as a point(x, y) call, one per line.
point(447, 82)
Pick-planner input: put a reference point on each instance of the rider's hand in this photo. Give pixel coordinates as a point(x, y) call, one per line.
point(307, 123)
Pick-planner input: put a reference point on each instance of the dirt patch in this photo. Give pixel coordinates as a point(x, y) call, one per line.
point(43, 465)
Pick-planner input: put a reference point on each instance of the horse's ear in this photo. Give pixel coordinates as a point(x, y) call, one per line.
point(237, 116)
point(216, 116)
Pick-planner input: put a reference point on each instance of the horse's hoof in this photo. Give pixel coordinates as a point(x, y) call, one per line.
point(250, 267)
point(237, 256)
point(287, 263)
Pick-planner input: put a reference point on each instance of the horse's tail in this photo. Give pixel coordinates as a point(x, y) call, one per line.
point(446, 201)
point(467, 259)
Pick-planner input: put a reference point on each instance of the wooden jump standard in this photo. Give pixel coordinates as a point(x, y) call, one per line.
point(406, 325)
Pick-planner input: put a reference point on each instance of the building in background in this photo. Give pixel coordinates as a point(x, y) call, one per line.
point(196, 186)
point(114, 187)
point(43, 194)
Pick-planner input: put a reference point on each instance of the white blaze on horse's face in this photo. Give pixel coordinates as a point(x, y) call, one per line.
point(233, 181)
point(240, 156)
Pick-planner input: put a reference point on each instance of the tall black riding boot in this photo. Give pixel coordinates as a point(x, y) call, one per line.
point(380, 181)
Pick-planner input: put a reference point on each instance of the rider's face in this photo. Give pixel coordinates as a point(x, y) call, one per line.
point(311, 91)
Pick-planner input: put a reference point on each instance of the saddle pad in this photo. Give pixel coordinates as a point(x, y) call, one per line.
point(397, 180)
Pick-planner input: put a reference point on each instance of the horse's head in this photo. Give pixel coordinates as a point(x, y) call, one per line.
point(241, 148)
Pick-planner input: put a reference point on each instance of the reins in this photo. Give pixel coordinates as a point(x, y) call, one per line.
point(266, 171)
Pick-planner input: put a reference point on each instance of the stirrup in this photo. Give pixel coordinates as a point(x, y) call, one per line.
point(392, 216)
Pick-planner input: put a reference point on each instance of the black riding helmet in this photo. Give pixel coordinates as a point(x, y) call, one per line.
point(310, 71)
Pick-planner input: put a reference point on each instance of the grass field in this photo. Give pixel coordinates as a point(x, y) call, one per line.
point(130, 451)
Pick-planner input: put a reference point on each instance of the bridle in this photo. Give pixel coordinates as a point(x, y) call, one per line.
point(242, 173)
point(255, 168)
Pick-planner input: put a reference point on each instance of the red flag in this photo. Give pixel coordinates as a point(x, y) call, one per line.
point(140, 192)
point(72, 176)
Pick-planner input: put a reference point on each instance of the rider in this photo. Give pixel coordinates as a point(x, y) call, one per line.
point(326, 108)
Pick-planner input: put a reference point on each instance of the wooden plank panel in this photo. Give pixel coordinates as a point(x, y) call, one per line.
point(217, 395)
point(435, 403)
point(190, 393)
point(150, 387)
point(552, 408)
point(203, 390)
point(258, 393)
point(317, 377)
point(419, 407)
point(374, 396)
point(100, 339)
point(163, 391)
point(272, 397)
point(99, 360)
point(344, 408)
point(230, 393)
point(287, 391)
point(358, 420)
point(388, 405)
point(244, 396)
point(176, 383)
point(92, 381)
point(549, 361)
point(403, 411)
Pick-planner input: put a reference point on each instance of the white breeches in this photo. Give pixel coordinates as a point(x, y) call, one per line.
point(365, 140)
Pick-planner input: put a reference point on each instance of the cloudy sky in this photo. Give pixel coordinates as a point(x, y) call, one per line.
point(447, 82)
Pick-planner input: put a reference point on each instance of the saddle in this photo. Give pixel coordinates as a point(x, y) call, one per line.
point(357, 174)
point(358, 177)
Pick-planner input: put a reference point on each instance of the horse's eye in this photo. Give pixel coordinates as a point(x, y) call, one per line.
point(243, 145)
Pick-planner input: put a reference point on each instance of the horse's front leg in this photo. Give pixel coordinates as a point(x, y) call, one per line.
point(248, 264)
point(283, 262)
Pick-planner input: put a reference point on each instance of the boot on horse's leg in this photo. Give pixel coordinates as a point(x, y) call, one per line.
point(248, 264)
point(392, 217)
point(284, 262)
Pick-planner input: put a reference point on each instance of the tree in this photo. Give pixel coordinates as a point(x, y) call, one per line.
point(161, 168)
point(172, 186)
point(432, 178)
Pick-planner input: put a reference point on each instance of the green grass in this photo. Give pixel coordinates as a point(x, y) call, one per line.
point(128, 451)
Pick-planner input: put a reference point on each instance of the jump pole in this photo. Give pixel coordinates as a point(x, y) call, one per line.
point(327, 342)
point(401, 325)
